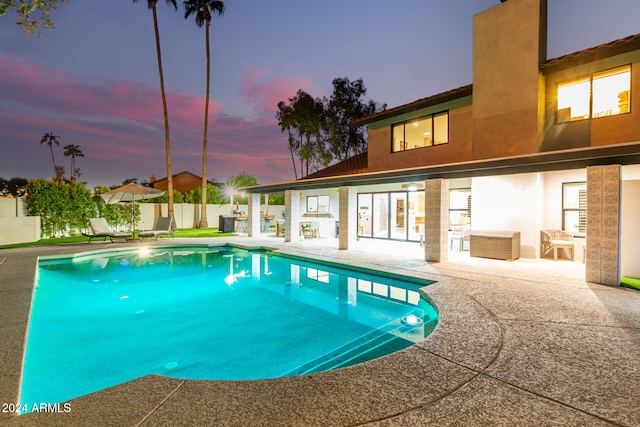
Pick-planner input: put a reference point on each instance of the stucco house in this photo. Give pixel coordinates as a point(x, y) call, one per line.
point(532, 144)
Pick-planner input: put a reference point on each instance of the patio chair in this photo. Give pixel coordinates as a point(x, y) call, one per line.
point(100, 229)
point(461, 235)
point(552, 240)
point(162, 227)
point(309, 230)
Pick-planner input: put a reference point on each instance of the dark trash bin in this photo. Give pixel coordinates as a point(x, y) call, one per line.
point(226, 224)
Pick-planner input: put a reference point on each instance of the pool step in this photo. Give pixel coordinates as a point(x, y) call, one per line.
point(367, 347)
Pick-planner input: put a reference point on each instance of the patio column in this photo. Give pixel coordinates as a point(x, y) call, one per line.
point(348, 217)
point(436, 220)
point(254, 215)
point(292, 216)
point(603, 225)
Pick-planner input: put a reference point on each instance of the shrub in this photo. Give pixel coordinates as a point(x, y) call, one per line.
point(63, 208)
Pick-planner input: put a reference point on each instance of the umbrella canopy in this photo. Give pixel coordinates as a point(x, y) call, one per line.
point(130, 193)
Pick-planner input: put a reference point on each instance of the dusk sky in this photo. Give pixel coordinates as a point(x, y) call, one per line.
point(93, 80)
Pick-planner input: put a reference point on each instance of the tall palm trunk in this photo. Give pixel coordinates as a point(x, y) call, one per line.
point(203, 205)
point(167, 141)
point(73, 169)
point(55, 171)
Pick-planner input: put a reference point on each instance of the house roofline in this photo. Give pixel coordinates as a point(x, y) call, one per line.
point(628, 153)
point(429, 101)
point(605, 50)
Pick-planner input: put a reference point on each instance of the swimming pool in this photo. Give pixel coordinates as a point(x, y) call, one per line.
point(220, 313)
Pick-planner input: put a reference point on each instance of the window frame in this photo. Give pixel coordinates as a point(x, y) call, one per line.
point(566, 210)
point(404, 123)
point(466, 210)
point(590, 79)
point(318, 204)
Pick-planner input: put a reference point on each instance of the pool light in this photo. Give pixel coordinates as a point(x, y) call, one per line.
point(412, 321)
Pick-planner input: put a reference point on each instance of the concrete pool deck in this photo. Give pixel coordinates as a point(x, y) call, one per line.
point(524, 343)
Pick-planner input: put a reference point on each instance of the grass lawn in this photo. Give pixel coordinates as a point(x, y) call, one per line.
point(630, 282)
point(184, 232)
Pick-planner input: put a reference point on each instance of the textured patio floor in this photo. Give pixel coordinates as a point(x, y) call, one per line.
point(524, 343)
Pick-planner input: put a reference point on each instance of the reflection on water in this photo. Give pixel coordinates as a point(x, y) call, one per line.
point(214, 313)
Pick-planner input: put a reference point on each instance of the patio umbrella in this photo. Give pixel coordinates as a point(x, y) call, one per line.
point(130, 193)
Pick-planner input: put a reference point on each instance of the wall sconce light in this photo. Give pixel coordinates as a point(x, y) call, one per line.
point(413, 186)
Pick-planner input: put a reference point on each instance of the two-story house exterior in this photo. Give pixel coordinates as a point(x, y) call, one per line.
point(531, 144)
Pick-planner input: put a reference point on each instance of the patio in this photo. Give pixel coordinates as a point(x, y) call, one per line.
point(526, 342)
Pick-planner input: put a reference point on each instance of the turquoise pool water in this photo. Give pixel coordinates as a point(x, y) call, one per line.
point(218, 313)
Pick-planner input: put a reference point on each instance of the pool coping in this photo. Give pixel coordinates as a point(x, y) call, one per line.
point(428, 382)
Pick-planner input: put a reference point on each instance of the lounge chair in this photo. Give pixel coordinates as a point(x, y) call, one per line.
point(162, 227)
point(100, 229)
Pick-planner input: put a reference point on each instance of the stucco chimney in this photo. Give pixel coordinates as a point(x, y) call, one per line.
point(509, 44)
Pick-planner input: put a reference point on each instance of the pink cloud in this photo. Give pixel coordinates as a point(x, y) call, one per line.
point(120, 128)
point(264, 94)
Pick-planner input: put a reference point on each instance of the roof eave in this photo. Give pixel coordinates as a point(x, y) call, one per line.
point(628, 153)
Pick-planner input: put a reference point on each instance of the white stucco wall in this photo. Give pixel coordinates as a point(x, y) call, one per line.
point(188, 215)
point(326, 226)
point(19, 230)
point(509, 203)
point(630, 228)
point(10, 207)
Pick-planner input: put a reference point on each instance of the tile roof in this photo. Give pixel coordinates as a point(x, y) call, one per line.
point(605, 50)
point(439, 98)
point(359, 163)
point(356, 164)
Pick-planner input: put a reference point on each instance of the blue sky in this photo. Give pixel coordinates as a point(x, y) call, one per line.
point(93, 80)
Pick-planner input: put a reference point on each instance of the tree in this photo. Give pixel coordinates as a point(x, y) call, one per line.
point(32, 14)
point(49, 138)
point(73, 151)
point(63, 208)
point(16, 186)
point(167, 140)
point(285, 121)
point(203, 9)
point(305, 115)
point(344, 106)
point(59, 173)
point(323, 126)
point(234, 183)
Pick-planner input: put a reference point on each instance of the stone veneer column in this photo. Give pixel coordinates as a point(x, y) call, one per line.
point(254, 215)
point(603, 225)
point(436, 222)
point(348, 217)
point(292, 216)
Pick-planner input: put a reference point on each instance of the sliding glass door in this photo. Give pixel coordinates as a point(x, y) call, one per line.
point(394, 215)
point(381, 215)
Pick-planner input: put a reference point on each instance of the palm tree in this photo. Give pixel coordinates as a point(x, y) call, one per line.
point(50, 139)
point(203, 10)
point(73, 151)
point(167, 141)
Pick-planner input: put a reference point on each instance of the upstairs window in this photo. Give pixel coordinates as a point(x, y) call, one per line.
point(603, 94)
point(421, 132)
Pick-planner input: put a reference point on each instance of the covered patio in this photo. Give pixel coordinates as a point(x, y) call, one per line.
point(527, 342)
